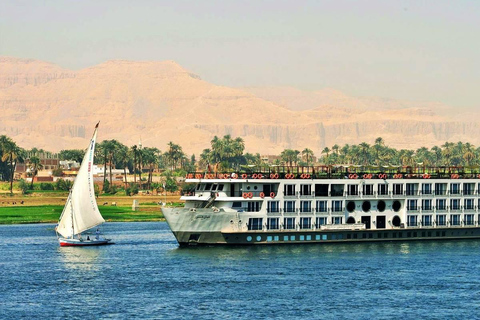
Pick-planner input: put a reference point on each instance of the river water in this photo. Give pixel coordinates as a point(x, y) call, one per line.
point(146, 275)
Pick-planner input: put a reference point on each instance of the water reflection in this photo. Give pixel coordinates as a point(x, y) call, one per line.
point(405, 248)
point(85, 259)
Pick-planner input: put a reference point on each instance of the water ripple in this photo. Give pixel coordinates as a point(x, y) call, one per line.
point(146, 275)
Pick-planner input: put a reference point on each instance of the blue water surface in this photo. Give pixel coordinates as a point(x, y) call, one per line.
point(146, 275)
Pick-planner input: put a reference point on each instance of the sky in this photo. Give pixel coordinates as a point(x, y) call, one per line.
point(413, 50)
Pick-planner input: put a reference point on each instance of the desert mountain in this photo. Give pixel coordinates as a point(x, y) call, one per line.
point(49, 107)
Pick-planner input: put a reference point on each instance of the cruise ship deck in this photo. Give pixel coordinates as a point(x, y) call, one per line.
point(328, 204)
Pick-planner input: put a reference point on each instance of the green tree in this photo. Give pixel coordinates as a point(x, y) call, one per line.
point(11, 153)
point(326, 151)
point(307, 155)
point(72, 155)
point(35, 165)
point(290, 156)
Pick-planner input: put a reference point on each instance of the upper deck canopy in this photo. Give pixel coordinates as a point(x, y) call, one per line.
point(342, 172)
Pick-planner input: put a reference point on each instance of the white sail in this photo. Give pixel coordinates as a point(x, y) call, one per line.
point(81, 211)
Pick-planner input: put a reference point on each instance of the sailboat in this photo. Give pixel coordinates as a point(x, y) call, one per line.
point(81, 211)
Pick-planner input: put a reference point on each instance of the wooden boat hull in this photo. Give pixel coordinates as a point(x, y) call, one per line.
point(83, 243)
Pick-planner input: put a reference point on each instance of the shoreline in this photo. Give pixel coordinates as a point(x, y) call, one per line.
point(56, 221)
point(39, 208)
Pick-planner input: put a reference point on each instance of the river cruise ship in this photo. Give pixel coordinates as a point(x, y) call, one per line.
point(326, 204)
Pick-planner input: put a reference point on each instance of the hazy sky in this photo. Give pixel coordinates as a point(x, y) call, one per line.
point(418, 50)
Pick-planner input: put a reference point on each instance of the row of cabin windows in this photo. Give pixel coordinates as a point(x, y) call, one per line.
point(289, 206)
point(210, 187)
point(382, 189)
point(291, 223)
point(348, 236)
point(441, 220)
point(305, 206)
point(441, 204)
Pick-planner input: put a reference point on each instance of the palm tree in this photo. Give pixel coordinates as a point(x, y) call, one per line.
point(35, 165)
point(290, 156)
point(344, 151)
point(437, 152)
point(134, 150)
point(152, 159)
point(11, 153)
point(307, 154)
point(468, 153)
point(326, 151)
point(406, 157)
point(447, 152)
point(174, 154)
point(364, 152)
point(123, 157)
point(378, 147)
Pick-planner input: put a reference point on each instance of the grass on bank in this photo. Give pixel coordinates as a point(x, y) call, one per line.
point(51, 213)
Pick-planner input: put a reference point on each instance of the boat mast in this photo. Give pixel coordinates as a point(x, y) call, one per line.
point(71, 205)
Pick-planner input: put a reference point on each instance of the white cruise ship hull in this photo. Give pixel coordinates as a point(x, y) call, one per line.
point(207, 227)
point(256, 209)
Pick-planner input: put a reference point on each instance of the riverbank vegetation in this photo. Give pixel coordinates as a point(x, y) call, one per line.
point(51, 214)
point(225, 154)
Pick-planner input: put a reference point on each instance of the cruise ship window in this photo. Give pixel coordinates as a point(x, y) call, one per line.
point(398, 189)
point(272, 223)
point(289, 206)
point(468, 204)
point(468, 188)
point(255, 223)
point(368, 189)
point(321, 190)
point(320, 221)
point(305, 190)
point(454, 188)
point(455, 219)
point(412, 221)
point(289, 189)
point(220, 187)
point(305, 223)
point(427, 204)
point(441, 204)
point(440, 188)
point(337, 190)
point(455, 204)
point(214, 187)
point(426, 188)
point(199, 187)
point(353, 189)
point(253, 206)
point(289, 223)
point(237, 204)
point(208, 186)
point(306, 206)
point(272, 206)
point(427, 220)
point(337, 206)
point(411, 189)
point(469, 219)
point(412, 204)
point(441, 220)
point(383, 189)
point(321, 206)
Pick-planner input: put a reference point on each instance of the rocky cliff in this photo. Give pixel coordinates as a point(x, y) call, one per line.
point(48, 107)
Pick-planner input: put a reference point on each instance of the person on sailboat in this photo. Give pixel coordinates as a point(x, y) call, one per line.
point(97, 234)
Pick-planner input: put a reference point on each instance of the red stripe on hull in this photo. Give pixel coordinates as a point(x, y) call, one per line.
point(84, 244)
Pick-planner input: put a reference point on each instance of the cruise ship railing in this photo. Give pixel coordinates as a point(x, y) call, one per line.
point(340, 172)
